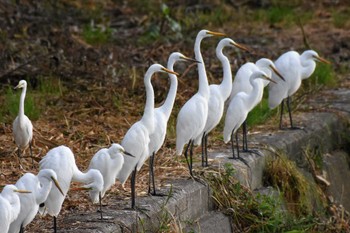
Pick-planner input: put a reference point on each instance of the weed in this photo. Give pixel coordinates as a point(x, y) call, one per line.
point(323, 76)
point(260, 113)
point(9, 110)
point(341, 19)
point(96, 35)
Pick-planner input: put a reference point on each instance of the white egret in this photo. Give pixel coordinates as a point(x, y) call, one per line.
point(9, 206)
point(294, 68)
point(40, 186)
point(22, 127)
point(136, 139)
point(239, 107)
point(61, 160)
point(240, 84)
point(161, 116)
point(193, 115)
point(217, 97)
point(109, 162)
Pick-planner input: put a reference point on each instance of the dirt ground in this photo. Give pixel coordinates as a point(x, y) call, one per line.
point(101, 85)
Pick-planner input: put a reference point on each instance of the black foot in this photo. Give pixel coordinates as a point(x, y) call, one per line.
point(137, 208)
point(257, 152)
point(158, 194)
point(199, 180)
point(241, 159)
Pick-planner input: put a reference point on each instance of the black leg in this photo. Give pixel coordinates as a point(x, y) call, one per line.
point(150, 174)
point(191, 157)
point(203, 149)
point(237, 145)
point(54, 224)
point(31, 153)
point(232, 145)
point(133, 181)
point(245, 140)
point(282, 108)
point(186, 156)
point(206, 149)
point(100, 199)
point(21, 229)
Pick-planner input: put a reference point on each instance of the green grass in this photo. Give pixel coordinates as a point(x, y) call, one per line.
point(10, 106)
point(97, 35)
point(261, 112)
point(341, 19)
point(323, 75)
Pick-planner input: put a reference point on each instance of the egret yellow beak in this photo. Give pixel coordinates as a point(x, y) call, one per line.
point(267, 78)
point(216, 33)
point(22, 191)
point(190, 59)
point(240, 46)
point(169, 71)
point(57, 185)
point(277, 72)
point(321, 59)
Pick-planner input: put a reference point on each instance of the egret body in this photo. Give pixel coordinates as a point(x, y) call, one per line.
point(193, 115)
point(137, 138)
point(294, 68)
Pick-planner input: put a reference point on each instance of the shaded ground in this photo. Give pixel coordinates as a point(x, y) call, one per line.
point(89, 89)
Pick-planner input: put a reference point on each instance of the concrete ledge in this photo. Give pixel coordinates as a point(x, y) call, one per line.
point(191, 200)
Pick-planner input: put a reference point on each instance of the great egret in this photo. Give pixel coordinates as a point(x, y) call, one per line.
point(109, 162)
point(61, 160)
point(294, 68)
point(240, 84)
point(40, 186)
point(239, 107)
point(22, 127)
point(161, 116)
point(136, 139)
point(9, 206)
point(218, 96)
point(193, 115)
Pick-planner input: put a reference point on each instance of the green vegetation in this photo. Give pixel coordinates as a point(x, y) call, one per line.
point(47, 87)
point(341, 19)
point(261, 112)
point(97, 35)
point(323, 75)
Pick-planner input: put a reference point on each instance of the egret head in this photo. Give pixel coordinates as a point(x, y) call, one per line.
point(262, 75)
point(176, 56)
point(116, 149)
point(268, 64)
point(21, 84)
point(96, 184)
point(50, 175)
point(311, 54)
point(206, 33)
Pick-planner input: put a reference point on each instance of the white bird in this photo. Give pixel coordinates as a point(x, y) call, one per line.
point(9, 206)
point(193, 115)
point(217, 97)
point(22, 127)
point(240, 84)
point(109, 162)
point(40, 186)
point(136, 139)
point(161, 116)
point(294, 68)
point(239, 107)
point(61, 160)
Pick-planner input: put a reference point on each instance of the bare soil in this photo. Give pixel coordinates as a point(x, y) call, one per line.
point(102, 84)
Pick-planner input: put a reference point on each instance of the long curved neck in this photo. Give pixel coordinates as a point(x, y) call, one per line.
point(307, 68)
point(226, 84)
point(148, 115)
point(43, 191)
point(170, 99)
point(256, 92)
point(21, 102)
point(203, 88)
point(80, 176)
